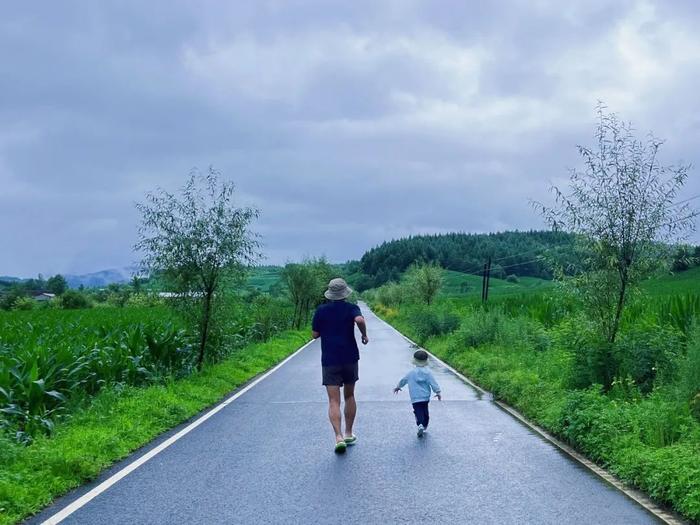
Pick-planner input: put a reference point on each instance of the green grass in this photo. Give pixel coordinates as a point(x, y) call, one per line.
point(467, 285)
point(680, 283)
point(118, 422)
point(263, 277)
point(51, 360)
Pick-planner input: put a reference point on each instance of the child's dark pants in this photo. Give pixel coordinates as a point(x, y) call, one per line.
point(420, 409)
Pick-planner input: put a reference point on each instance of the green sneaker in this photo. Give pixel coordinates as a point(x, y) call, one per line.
point(349, 441)
point(340, 447)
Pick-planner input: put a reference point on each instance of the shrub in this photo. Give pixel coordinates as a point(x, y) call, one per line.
point(512, 278)
point(688, 381)
point(24, 303)
point(144, 300)
point(662, 422)
point(590, 358)
point(73, 300)
point(479, 328)
point(646, 351)
point(425, 280)
point(428, 323)
point(391, 294)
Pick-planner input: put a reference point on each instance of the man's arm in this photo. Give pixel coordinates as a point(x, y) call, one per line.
point(316, 325)
point(362, 325)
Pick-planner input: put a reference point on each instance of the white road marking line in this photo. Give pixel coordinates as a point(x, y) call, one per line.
point(99, 489)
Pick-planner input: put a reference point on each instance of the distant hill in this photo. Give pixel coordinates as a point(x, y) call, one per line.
point(101, 278)
point(89, 280)
point(525, 254)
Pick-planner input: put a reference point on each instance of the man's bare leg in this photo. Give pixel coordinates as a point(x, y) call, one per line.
point(350, 407)
point(334, 410)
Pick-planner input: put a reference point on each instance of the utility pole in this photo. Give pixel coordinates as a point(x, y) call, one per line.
point(486, 277)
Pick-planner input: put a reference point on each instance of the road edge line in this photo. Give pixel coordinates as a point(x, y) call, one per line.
point(122, 473)
point(644, 501)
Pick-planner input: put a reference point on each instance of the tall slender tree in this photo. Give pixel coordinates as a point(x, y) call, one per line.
point(622, 205)
point(197, 240)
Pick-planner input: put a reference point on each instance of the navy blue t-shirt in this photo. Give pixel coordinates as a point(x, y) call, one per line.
point(335, 321)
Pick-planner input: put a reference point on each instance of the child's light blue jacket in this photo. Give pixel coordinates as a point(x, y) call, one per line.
point(420, 380)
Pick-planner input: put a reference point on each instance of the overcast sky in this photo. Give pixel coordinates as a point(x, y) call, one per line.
point(347, 123)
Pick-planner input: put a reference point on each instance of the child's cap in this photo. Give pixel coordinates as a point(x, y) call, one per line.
point(420, 358)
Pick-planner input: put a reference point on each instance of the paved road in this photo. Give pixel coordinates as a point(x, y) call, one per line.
point(267, 458)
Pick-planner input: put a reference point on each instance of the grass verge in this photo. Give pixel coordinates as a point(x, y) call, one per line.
point(646, 441)
point(119, 422)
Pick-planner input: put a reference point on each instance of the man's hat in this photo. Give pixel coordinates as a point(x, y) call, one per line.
point(337, 289)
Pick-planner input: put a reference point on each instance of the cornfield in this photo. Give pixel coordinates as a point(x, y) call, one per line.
point(52, 360)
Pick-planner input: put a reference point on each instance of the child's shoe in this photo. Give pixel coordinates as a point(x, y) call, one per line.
point(421, 430)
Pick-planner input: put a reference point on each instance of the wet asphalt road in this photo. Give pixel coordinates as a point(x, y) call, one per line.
point(267, 458)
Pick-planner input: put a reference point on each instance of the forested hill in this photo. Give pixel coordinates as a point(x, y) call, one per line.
point(514, 252)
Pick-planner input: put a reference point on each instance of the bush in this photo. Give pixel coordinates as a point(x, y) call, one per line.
point(688, 380)
point(144, 300)
point(590, 356)
point(391, 294)
point(425, 280)
point(662, 422)
point(427, 323)
point(74, 300)
point(24, 303)
point(645, 352)
point(512, 278)
point(479, 328)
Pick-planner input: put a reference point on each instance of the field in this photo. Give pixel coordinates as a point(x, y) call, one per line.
point(467, 285)
point(53, 360)
point(687, 282)
point(262, 278)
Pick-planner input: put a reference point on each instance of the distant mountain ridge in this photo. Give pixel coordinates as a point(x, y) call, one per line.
point(101, 278)
point(89, 280)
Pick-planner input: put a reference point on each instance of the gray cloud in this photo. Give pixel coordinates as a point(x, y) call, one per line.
point(346, 123)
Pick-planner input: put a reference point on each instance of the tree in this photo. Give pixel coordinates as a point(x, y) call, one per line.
point(621, 205)
point(198, 240)
point(306, 282)
point(136, 284)
point(426, 281)
point(73, 300)
point(57, 284)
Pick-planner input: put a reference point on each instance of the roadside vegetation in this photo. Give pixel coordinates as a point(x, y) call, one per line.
point(89, 375)
point(117, 421)
point(539, 353)
point(608, 356)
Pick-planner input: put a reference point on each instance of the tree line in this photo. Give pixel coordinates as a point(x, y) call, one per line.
point(526, 253)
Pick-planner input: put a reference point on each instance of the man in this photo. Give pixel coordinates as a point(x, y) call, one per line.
point(334, 322)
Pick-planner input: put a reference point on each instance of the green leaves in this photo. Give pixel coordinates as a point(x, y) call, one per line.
point(60, 358)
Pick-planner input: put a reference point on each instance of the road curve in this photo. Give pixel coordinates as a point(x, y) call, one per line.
point(267, 458)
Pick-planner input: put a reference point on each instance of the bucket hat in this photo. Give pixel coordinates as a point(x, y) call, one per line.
point(337, 289)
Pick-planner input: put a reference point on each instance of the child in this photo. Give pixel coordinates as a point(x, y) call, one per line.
point(420, 382)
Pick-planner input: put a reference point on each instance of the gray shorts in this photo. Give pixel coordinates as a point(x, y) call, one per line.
point(339, 375)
